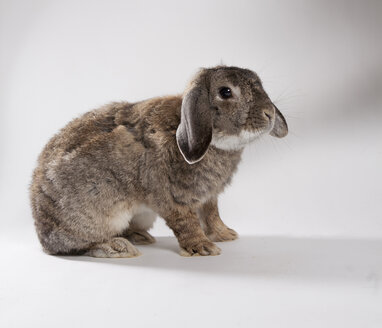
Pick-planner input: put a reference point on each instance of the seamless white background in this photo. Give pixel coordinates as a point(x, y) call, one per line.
point(308, 206)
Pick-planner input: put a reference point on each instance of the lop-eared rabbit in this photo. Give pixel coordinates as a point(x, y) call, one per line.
point(102, 180)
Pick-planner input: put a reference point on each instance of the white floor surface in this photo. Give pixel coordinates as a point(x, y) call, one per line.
point(258, 281)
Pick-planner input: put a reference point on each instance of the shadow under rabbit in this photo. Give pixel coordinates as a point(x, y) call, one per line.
point(314, 259)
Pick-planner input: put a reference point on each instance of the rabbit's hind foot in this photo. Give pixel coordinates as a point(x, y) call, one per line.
point(116, 247)
point(139, 237)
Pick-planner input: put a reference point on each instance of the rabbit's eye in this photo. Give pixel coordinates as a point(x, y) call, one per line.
point(225, 92)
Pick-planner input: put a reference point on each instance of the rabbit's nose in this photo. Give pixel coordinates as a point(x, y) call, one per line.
point(269, 113)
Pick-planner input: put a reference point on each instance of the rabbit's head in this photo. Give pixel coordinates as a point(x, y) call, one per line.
point(228, 108)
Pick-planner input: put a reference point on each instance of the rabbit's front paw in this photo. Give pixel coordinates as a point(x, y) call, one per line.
point(223, 234)
point(203, 247)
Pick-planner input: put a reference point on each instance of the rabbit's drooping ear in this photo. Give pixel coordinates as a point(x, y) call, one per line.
point(194, 132)
point(280, 127)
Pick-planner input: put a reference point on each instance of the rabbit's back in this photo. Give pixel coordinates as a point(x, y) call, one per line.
point(76, 183)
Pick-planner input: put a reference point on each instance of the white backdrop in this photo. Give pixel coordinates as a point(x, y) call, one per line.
point(320, 62)
point(308, 207)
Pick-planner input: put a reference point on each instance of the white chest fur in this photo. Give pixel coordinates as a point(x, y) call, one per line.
point(234, 142)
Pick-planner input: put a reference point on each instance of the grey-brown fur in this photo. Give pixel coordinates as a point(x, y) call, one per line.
point(129, 159)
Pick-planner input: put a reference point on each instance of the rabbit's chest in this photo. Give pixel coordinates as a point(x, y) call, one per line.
point(205, 180)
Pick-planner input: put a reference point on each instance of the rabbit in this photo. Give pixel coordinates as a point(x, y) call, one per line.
point(103, 179)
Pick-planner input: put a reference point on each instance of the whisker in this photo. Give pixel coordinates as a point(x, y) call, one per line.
point(294, 117)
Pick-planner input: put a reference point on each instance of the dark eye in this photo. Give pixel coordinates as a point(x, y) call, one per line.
point(225, 92)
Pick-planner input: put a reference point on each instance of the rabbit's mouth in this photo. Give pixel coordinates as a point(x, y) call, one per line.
point(274, 122)
point(237, 141)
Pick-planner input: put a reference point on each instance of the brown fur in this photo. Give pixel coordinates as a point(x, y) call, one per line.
point(124, 158)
